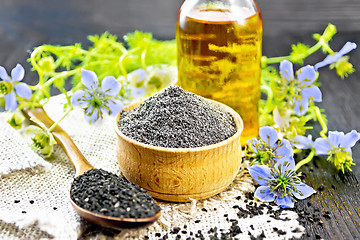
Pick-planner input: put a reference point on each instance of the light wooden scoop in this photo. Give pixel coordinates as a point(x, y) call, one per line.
point(81, 165)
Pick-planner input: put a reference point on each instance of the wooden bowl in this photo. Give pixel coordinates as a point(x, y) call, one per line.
point(178, 174)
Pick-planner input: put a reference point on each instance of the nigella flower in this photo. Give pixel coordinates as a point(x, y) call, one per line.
point(338, 146)
point(150, 80)
point(268, 147)
point(299, 90)
point(96, 100)
point(349, 46)
point(10, 87)
point(279, 183)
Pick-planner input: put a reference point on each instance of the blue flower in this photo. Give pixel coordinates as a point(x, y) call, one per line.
point(269, 147)
point(12, 87)
point(96, 100)
point(334, 58)
point(279, 183)
point(338, 146)
point(299, 90)
point(302, 142)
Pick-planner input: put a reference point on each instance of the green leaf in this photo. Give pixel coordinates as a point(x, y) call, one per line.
point(298, 52)
point(138, 39)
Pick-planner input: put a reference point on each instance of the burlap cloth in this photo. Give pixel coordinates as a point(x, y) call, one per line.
point(34, 194)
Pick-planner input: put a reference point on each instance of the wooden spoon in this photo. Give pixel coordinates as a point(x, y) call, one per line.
point(81, 165)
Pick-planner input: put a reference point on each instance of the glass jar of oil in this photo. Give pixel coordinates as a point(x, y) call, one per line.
point(219, 47)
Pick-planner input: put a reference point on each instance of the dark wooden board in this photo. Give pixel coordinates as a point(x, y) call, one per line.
point(27, 24)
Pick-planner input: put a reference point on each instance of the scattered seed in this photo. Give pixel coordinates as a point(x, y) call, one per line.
point(175, 230)
point(321, 188)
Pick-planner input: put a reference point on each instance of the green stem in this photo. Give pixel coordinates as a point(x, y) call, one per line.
point(117, 44)
point(270, 97)
point(143, 56)
point(297, 150)
point(326, 46)
point(58, 121)
point(310, 51)
point(22, 105)
point(61, 75)
point(305, 160)
point(35, 65)
point(322, 123)
point(121, 60)
point(57, 51)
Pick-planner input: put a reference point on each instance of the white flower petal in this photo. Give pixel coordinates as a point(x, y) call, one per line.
point(136, 75)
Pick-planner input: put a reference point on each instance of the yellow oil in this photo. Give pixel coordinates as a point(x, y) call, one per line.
point(219, 54)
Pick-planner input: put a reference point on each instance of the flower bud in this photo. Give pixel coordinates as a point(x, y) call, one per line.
point(47, 64)
point(16, 120)
point(42, 140)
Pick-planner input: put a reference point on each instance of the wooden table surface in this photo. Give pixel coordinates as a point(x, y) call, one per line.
point(27, 24)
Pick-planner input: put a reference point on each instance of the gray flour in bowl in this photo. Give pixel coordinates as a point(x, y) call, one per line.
point(174, 118)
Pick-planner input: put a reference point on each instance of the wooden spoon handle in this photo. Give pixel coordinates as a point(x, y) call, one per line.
point(78, 160)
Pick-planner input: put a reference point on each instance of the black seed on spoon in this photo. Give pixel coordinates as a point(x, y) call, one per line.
point(105, 193)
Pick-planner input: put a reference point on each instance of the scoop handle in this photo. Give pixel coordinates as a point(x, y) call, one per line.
point(77, 159)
